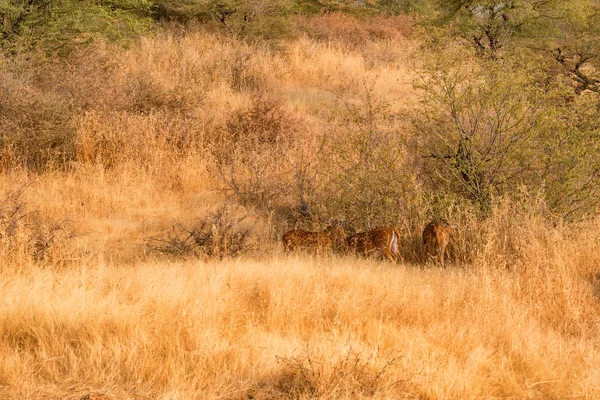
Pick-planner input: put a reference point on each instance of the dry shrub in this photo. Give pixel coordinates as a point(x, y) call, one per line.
point(355, 31)
point(243, 75)
point(265, 123)
point(102, 77)
point(146, 94)
point(116, 138)
point(37, 129)
point(217, 236)
point(250, 152)
point(296, 377)
point(89, 77)
point(26, 238)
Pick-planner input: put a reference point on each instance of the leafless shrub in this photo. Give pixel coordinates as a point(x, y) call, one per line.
point(25, 237)
point(303, 376)
point(219, 235)
point(147, 94)
point(242, 76)
point(249, 156)
point(11, 216)
point(265, 122)
point(37, 128)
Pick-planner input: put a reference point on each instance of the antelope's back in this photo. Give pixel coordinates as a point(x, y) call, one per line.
point(298, 238)
point(369, 240)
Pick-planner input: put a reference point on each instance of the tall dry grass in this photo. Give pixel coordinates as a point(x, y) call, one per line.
point(129, 134)
point(290, 326)
point(88, 310)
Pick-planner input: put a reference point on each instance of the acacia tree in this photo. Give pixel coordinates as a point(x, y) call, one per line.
point(489, 25)
point(563, 35)
point(487, 126)
point(475, 126)
point(575, 45)
point(566, 160)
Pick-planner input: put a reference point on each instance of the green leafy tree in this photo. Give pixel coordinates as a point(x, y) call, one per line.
point(476, 125)
point(488, 127)
point(562, 35)
point(58, 25)
point(566, 161)
point(575, 45)
point(489, 25)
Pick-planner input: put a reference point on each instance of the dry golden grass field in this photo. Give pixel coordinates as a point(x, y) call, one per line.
point(92, 307)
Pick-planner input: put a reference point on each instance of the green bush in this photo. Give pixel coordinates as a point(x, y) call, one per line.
point(369, 182)
point(487, 127)
point(57, 27)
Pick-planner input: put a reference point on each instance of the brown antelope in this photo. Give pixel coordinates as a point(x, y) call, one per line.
point(381, 241)
point(333, 237)
point(435, 239)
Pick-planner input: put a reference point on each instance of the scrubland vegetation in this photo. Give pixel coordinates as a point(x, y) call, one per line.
point(152, 154)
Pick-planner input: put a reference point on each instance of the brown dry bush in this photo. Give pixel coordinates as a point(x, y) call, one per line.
point(101, 77)
point(296, 377)
point(243, 77)
point(112, 139)
point(117, 111)
point(27, 238)
point(250, 153)
point(89, 77)
point(353, 31)
point(217, 236)
point(146, 94)
point(37, 129)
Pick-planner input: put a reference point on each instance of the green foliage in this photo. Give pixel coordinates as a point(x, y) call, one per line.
point(490, 127)
point(575, 45)
point(474, 120)
point(567, 162)
point(514, 102)
point(56, 26)
point(489, 25)
point(239, 18)
point(184, 10)
point(564, 36)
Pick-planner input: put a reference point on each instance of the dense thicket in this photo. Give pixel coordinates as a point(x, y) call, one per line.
point(509, 102)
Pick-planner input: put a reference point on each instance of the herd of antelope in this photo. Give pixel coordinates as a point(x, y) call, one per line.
point(381, 242)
